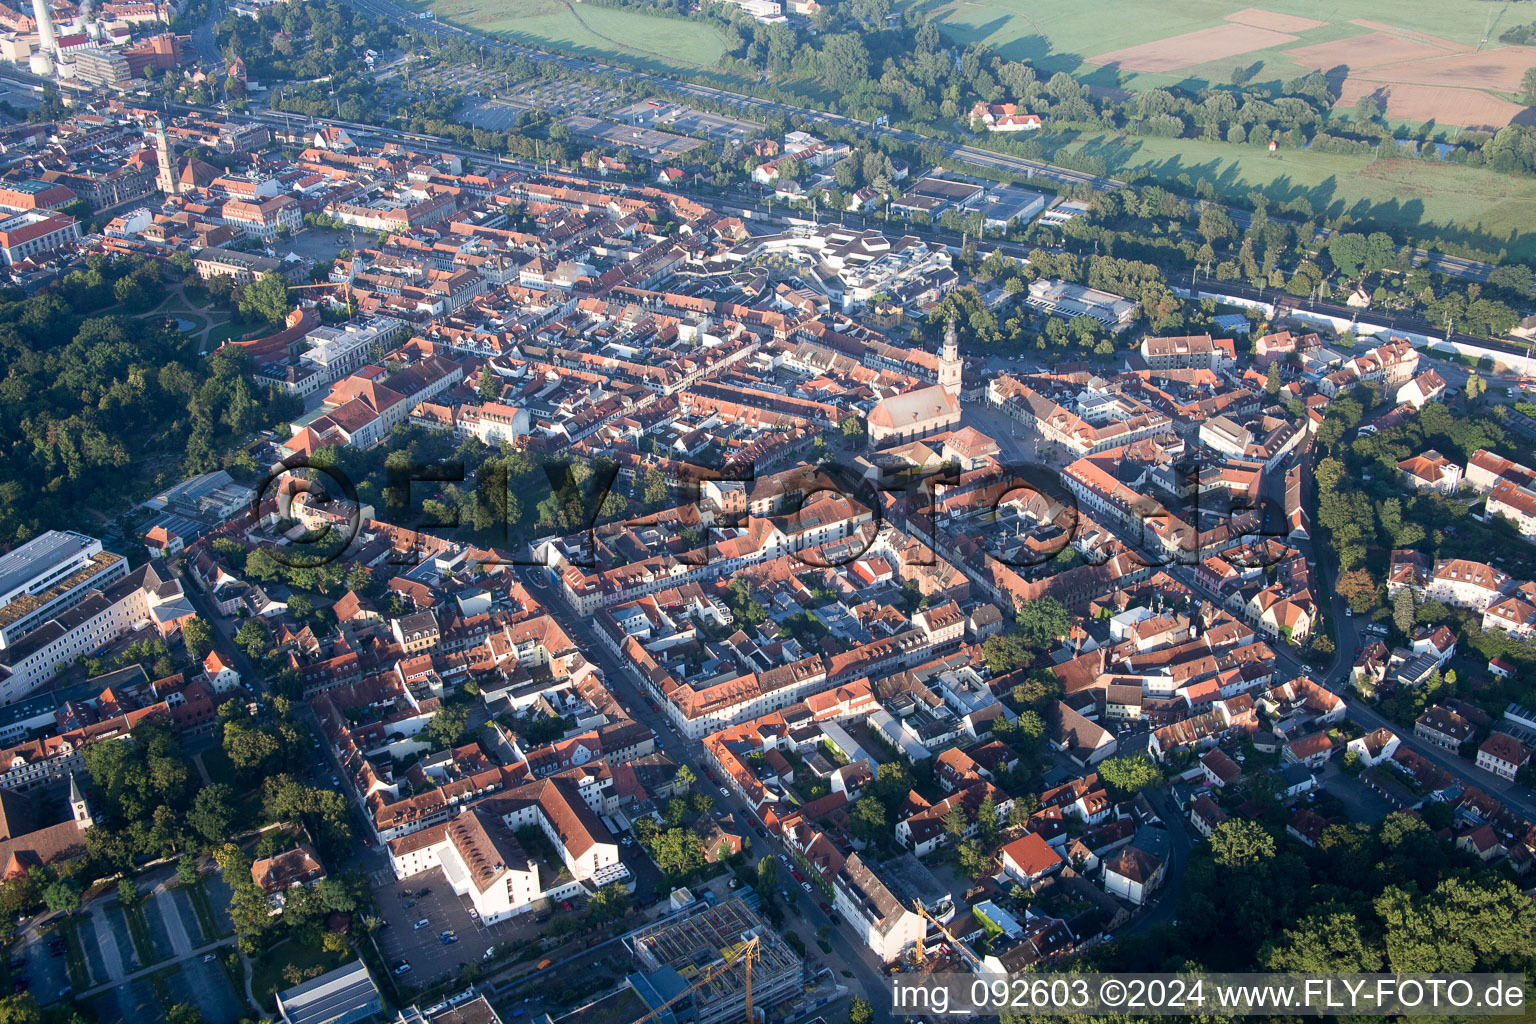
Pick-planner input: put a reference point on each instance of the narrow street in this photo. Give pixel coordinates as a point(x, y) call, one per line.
point(848, 952)
point(1180, 842)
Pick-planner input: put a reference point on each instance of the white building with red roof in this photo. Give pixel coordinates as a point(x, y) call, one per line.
point(35, 233)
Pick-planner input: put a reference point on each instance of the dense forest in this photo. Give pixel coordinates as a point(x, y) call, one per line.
point(98, 401)
point(1390, 897)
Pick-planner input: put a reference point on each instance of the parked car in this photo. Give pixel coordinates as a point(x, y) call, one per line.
point(806, 886)
point(402, 966)
point(209, 958)
point(799, 877)
point(725, 792)
point(408, 904)
point(419, 925)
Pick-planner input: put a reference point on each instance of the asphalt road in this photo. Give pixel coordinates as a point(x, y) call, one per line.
point(848, 953)
point(1336, 678)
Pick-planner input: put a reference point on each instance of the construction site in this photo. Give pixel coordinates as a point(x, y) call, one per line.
point(723, 964)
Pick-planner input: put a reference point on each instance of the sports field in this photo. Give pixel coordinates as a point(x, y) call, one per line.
point(601, 33)
point(1426, 59)
point(1469, 204)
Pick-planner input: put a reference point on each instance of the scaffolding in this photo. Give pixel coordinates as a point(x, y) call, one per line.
point(728, 958)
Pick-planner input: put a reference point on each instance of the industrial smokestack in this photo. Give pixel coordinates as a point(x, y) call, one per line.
point(47, 45)
point(44, 16)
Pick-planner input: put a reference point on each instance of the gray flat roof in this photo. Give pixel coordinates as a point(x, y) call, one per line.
point(21, 564)
point(346, 993)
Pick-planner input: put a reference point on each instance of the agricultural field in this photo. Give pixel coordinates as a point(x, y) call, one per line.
point(1458, 203)
point(656, 43)
point(1424, 61)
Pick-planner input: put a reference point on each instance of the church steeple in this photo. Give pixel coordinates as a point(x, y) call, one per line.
point(165, 173)
point(78, 806)
point(949, 360)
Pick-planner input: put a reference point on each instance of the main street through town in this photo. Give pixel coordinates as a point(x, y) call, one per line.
point(849, 953)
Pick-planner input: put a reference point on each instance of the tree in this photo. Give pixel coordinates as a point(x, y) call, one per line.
point(1404, 611)
point(1528, 87)
point(198, 636)
point(986, 821)
point(1348, 252)
point(1358, 589)
point(184, 1013)
point(211, 816)
point(251, 638)
point(1240, 842)
point(128, 893)
point(684, 779)
point(250, 748)
point(1459, 926)
point(266, 299)
point(1004, 653)
point(653, 488)
point(23, 1009)
point(608, 902)
point(447, 725)
point(1129, 775)
point(1272, 379)
point(1042, 622)
point(186, 870)
point(1325, 941)
point(767, 877)
point(868, 820)
point(972, 858)
point(954, 821)
point(489, 387)
point(62, 895)
point(852, 427)
point(860, 1011)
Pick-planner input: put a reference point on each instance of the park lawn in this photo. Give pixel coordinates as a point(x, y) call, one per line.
point(224, 331)
point(1057, 37)
point(601, 33)
point(267, 968)
point(1472, 205)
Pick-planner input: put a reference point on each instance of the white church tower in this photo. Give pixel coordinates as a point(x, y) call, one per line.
point(78, 805)
point(949, 361)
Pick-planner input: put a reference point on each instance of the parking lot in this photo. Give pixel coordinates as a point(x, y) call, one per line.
point(443, 911)
point(46, 971)
point(559, 96)
point(104, 952)
point(491, 115)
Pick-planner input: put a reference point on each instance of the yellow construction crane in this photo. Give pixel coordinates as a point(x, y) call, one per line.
point(954, 943)
point(746, 953)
